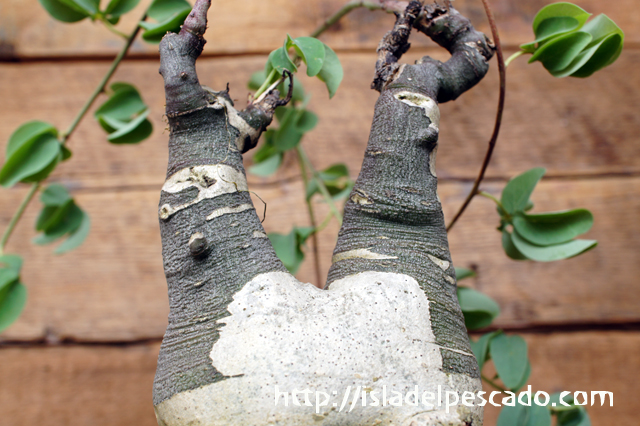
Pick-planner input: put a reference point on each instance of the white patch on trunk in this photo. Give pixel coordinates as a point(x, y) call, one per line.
point(443, 264)
point(419, 100)
point(228, 209)
point(234, 119)
point(432, 161)
point(370, 330)
point(259, 234)
point(359, 254)
point(211, 181)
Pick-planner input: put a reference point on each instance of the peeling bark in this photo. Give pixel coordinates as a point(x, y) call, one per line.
point(240, 324)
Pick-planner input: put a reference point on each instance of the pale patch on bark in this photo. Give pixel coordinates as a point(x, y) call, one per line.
point(360, 197)
point(419, 100)
point(371, 329)
point(432, 161)
point(229, 209)
point(443, 264)
point(210, 180)
point(259, 234)
point(359, 254)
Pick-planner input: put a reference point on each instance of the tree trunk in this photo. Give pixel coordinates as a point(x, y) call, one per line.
point(242, 330)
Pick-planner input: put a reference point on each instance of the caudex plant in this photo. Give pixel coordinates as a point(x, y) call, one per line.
point(391, 315)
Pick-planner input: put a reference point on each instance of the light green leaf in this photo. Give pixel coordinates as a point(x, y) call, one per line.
point(280, 60)
point(525, 378)
point(539, 416)
point(268, 166)
point(554, 20)
point(55, 195)
point(479, 310)
point(552, 252)
point(62, 11)
point(558, 53)
point(120, 7)
point(334, 172)
point(169, 14)
point(8, 276)
point(288, 249)
point(27, 133)
point(77, 237)
point(509, 354)
point(516, 193)
point(122, 104)
point(31, 158)
point(553, 228)
point(513, 416)
point(560, 9)
point(312, 52)
point(462, 273)
point(480, 348)
point(307, 121)
point(135, 131)
point(509, 248)
point(11, 261)
point(331, 73)
point(12, 301)
point(161, 10)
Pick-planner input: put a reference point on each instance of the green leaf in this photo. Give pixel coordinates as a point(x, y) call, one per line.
point(334, 172)
point(120, 7)
point(8, 276)
point(539, 416)
point(481, 347)
point(509, 248)
point(124, 102)
point(312, 52)
point(307, 121)
point(280, 60)
point(479, 310)
point(268, 166)
point(560, 9)
point(552, 252)
point(287, 248)
point(62, 11)
point(89, 7)
point(256, 80)
point(31, 158)
point(558, 53)
point(77, 237)
point(169, 14)
point(556, 19)
point(516, 193)
point(304, 233)
point(525, 378)
point(331, 73)
point(513, 416)
point(12, 301)
point(288, 135)
point(462, 273)
point(27, 133)
point(135, 131)
point(11, 261)
point(554, 227)
point(575, 416)
point(55, 195)
point(51, 216)
point(509, 354)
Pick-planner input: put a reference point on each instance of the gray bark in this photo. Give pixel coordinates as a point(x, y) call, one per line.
point(239, 324)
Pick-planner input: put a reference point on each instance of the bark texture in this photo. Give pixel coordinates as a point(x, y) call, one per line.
point(240, 325)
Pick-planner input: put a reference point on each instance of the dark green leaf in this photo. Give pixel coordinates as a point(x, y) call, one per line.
point(62, 11)
point(288, 249)
point(304, 233)
point(66, 220)
point(169, 14)
point(28, 132)
point(509, 354)
point(577, 417)
point(268, 166)
point(122, 104)
point(509, 248)
point(50, 216)
point(12, 301)
point(312, 52)
point(280, 60)
point(481, 347)
point(552, 252)
point(515, 195)
point(559, 9)
point(77, 237)
point(553, 228)
point(287, 136)
point(479, 310)
point(89, 7)
point(513, 416)
point(55, 195)
point(267, 149)
point(558, 53)
point(331, 73)
point(120, 7)
point(462, 273)
point(135, 131)
point(30, 159)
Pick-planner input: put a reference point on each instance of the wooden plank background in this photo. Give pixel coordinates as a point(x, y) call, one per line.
point(84, 351)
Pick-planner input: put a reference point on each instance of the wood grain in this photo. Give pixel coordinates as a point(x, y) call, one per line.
point(570, 126)
point(105, 385)
point(261, 26)
point(113, 287)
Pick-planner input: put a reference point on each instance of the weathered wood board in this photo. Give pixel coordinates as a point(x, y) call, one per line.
point(261, 26)
point(99, 385)
point(571, 126)
point(113, 287)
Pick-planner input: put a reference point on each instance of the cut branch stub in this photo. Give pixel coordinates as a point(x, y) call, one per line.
point(242, 331)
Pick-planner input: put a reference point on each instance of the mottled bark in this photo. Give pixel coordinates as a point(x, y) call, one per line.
point(239, 324)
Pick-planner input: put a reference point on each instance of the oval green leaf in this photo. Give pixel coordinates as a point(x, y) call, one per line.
point(509, 248)
point(133, 132)
point(509, 354)
point(331, 73)
point(553, 228)
point(513, 416)
point(11, 261)
point(8, 276)
point(560, 9)
point(480, 348)
point(288, 250)
point(31, 159)
point(122, 104)
point(268, 166)
point(120, 7)
point(12, 301)
point(539, 416)
point(170, 15)
point(516, 193)
point(552, 252)
point(463, 273)
point(55, 195)
point(312, 52)
point(63, 12)
point(280, 60)
point(558, 53)
point(77, 237)
point(479, 310)
point(27, 133)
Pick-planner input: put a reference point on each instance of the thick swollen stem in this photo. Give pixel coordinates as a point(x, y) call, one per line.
point(213, 241)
